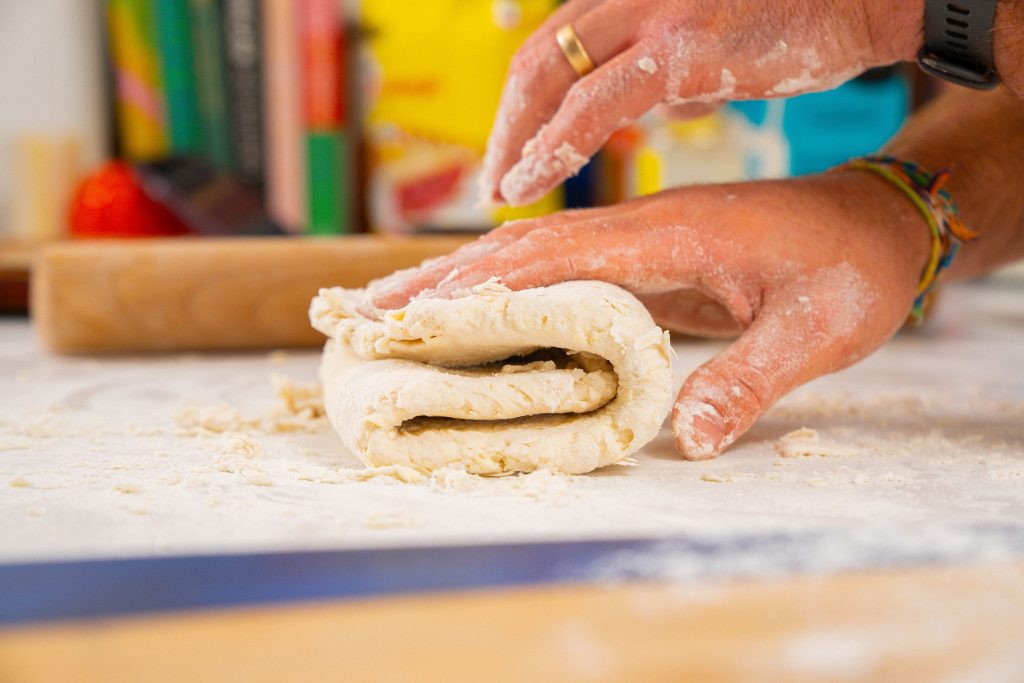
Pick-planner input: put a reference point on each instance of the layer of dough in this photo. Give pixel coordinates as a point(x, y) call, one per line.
point(468, 381)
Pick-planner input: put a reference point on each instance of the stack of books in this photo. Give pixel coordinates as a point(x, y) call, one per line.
point(255, 87)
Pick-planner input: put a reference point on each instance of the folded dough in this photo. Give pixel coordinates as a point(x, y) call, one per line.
point(570, 377)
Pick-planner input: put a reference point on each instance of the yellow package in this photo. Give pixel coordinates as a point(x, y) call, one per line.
point(432, 72)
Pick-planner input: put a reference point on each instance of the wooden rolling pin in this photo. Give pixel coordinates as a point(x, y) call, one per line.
point(203, 294)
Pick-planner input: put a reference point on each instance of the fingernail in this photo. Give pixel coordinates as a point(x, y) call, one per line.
point(700, 430)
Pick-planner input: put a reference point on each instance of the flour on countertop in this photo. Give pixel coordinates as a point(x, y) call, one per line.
point(806, 442)
point(299, 409)
point(934, 422)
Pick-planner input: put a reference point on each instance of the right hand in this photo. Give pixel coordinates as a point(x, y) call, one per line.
point(813, 273)
point(690, 54)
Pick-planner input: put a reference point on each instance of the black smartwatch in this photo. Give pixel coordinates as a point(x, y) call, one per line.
point(958, 42)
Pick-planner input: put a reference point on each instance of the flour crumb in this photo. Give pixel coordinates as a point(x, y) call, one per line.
point(127, 488)
point(716, 478)
point(777, 52)
point(20, 483)
point(244, 446)
point(197, 421)
point(299, 409)
point(36, 511)
point(544, 486)
point(492, 287)
point(392, 473)
point(453, 479)
point(803, 299)
point(806, 442)
point(396, 519)
point(648, 65)
point(570, 158)
point(277, 357)
point(241, 455)
point(296, 400)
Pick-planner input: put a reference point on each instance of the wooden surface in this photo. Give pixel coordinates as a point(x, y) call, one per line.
point(203, 294)
point(911, 625)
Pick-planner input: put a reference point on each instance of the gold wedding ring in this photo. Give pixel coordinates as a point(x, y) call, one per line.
point(574, 51)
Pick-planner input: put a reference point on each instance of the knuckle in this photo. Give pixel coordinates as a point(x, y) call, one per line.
point(542, 238)
point(580, 98)
point(526, 61)
point(510, 230)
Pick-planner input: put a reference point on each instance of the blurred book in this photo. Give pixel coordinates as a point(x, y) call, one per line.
point(284, 161)
point(177, 62)
point(141, 105)
point(328, 167)
point(207, 37)
point(242, 50)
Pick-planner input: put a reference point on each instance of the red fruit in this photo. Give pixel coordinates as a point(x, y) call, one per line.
point(110, 203)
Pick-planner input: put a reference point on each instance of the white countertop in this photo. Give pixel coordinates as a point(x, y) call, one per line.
point(924, 446)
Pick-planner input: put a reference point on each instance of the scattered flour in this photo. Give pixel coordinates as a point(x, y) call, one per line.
point(242, 454)
point(647, 64)
point(127, 488)
point(777, 52)
point(805, 442)
point(570, 158)
point(299, 409)
point(391, 519)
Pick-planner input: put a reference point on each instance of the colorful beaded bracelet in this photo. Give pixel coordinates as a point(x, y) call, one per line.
point(930, 196)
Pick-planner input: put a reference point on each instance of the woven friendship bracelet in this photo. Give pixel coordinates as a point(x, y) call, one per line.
point(933, 200)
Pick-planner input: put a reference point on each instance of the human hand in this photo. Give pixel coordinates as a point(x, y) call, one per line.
point(815, 273)
point(689, 54)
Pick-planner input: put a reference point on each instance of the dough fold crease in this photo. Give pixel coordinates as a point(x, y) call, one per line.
point(570, 377)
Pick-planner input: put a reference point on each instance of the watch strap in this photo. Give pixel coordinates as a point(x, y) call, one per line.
point(958, 42)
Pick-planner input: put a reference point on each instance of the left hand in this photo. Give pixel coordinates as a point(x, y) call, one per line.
point(693, 54)
point(815, 273)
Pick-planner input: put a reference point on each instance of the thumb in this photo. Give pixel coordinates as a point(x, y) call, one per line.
point(789, 344)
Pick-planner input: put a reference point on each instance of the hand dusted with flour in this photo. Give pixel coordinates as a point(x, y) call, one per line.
point(691, 54)
point(814, 273)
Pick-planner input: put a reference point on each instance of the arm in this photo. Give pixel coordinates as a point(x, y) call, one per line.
point(982, 135)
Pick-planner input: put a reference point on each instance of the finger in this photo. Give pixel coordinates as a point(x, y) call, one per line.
point(395, 290)
point(794, 339)
point(596, 106)
point(548, 255)
point(540, 76)
point(605, 246)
